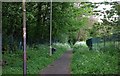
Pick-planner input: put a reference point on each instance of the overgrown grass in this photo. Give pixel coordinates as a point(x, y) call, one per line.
point(37, 59)
point(95, 62)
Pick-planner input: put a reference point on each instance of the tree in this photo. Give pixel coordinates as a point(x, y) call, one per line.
point(68, 19)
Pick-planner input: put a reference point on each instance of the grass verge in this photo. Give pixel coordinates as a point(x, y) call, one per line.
point(95, 62)
point(37, 59)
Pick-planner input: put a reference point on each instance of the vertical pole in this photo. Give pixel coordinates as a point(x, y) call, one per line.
point(51, 28)
point(0, 36)
point(24, 40)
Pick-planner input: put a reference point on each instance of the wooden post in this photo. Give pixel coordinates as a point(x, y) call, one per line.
point(24, 40)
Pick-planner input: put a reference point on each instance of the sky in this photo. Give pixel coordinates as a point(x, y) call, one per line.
point(108, 7)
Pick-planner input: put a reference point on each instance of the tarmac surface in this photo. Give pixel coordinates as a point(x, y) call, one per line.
point(60, 67)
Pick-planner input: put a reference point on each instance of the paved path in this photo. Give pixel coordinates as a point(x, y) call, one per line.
point(60, 66)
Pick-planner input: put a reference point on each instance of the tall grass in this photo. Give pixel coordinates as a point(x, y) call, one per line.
point(37, 59)
point(95, 62)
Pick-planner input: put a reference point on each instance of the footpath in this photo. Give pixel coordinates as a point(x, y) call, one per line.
point(60, 67)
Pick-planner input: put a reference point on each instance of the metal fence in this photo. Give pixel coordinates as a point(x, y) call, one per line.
point(101, 43)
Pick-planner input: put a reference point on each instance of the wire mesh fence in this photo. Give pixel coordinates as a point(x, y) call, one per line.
point(102, 43)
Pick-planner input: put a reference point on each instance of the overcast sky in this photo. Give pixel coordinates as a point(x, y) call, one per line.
point(108, 7)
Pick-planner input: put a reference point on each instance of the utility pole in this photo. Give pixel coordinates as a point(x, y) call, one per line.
point(24, 40)
point(51, 28)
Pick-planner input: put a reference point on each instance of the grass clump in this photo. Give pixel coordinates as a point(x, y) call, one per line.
point(37, 59)
point(95, 62)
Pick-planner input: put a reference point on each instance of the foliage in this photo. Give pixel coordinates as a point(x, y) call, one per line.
point(69, 17)
point(37, 22)
point(37, 59)
point(11, 24)
point(93, 62)
point(110, 21)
